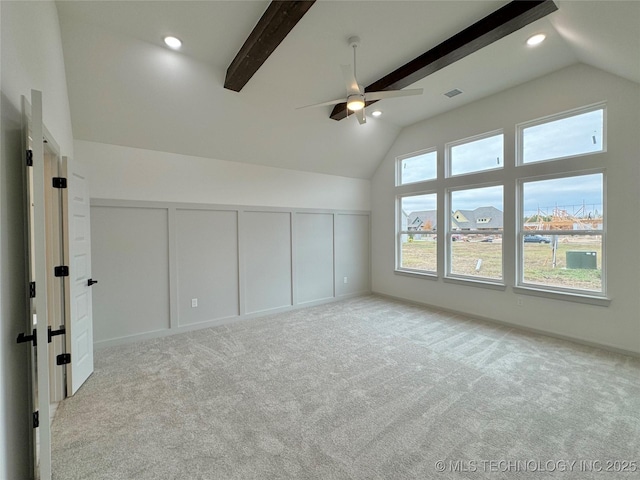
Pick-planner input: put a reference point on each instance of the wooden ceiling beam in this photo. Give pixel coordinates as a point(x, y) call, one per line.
point(275, 24)
point(504, 21)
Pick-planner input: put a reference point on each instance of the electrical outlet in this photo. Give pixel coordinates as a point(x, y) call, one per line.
point(194, 302)
point(520, 301)
point(345, 280)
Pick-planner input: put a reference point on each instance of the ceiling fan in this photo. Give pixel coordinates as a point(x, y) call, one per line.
point(356, 96)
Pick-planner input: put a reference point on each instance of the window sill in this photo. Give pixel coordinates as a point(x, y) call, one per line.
point(417, 274)
point(476, 283)
point(566, 296)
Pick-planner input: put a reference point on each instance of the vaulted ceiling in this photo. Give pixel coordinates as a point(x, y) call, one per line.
point(127, 88)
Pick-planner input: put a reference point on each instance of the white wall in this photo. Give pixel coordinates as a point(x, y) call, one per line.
point(139, 196)
point(31, 55)
point(155, 98)
point(135, 174)
point(153, 258)
point(617, 325)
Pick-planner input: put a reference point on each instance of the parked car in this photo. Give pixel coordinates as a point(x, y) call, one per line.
point(536, 239)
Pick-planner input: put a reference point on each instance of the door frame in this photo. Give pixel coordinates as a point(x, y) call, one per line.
point(57, 248)
point(47, 294)
point(38, 306)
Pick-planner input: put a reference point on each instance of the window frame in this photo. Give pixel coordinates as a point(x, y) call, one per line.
point(399, 232)
point(520, 283)
point(400, 158)
point(449, 232)
point(520, 127)
point(512, 174)
point(448, 170)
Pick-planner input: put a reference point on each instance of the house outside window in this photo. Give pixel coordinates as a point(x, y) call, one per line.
point(475, 233)
point(417, 241)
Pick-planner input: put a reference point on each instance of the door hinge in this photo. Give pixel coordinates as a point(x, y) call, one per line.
point(63, 359)
point(32, 289)
point(55, 333)
point(22, 338)
point(29, 158)
point(59, 182)
point(36, 419)
point(61, 271)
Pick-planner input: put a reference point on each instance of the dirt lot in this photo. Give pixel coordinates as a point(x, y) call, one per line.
point(539, 269)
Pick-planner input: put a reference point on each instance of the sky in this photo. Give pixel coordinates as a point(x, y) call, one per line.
point(419, 168)
point(419, 203)
point(565, 193)
point(479, 155)
point(576, 135)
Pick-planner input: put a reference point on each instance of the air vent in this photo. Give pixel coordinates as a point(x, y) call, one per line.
point(453, 93)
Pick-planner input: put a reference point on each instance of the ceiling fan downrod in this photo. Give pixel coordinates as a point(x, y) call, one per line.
point(355, 101)
point(354, 42)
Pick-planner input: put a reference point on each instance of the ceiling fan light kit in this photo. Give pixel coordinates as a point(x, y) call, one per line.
point(357, 98)
point(355, 102)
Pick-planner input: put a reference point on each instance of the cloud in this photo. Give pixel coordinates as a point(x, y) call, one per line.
point(570, 194)
point(419, 203)
point(477, 197)
point(565, 137)
point(484, 154)
point(419, 168)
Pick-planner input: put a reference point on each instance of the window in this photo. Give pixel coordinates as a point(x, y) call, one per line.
point(475, 233)
point(476, 155)
point(562, 233)
point(417, 245)
point(555, 226)
point(417, 167)
point(564, 136)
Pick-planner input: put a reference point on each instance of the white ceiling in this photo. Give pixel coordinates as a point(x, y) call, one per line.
point(126, 88)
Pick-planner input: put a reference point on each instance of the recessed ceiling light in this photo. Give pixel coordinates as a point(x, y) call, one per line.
point(376, 113)
point(536, 39)
point(173, 42)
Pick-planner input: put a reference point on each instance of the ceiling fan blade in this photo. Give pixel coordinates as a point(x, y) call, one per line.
point(362, 119)
point(392, 93)
point(323, 104)
point(350, 79)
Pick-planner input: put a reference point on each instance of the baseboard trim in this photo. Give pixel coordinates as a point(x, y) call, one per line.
point(559, 336)
point(139, 337)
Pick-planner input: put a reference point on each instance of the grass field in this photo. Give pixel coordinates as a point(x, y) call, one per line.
point(538, 261)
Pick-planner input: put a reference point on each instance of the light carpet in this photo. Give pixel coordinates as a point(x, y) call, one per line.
point(366, 388)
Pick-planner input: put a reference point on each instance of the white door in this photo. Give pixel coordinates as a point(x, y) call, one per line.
point(59, 264)
point(80, 333)
point(38, 315)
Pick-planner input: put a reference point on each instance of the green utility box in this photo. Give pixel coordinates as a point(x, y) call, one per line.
point(586, 260)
